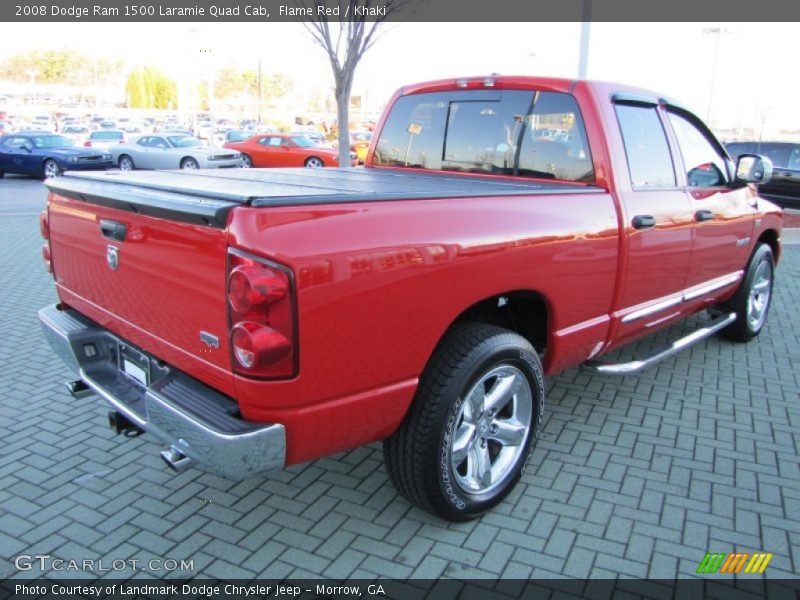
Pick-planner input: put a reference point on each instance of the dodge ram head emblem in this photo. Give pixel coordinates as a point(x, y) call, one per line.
point(112, 256)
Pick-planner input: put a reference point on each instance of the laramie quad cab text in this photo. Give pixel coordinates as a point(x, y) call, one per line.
point(504, 229)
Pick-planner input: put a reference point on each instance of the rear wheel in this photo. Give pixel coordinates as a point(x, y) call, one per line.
point(125, 163)
point(465, 440)
point(50, 169)
point(314, 163)
point(752, 300)
point(189, 163)
point(247, 162)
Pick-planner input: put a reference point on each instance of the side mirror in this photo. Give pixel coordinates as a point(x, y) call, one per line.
point(752, 168)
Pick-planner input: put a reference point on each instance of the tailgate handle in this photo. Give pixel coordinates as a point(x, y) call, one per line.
point(113, 230)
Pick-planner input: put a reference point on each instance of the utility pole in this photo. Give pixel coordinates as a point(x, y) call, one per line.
point(586, 24)
point(259, 91)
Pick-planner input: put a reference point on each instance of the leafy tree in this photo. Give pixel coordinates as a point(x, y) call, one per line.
point(60, 66)
point(149, 88)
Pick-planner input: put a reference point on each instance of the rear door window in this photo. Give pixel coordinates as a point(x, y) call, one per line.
point(649, 159)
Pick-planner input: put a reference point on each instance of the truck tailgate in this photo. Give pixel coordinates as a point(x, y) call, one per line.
point(157, 282)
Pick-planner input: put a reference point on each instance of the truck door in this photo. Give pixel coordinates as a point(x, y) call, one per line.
point(657, 223)
point(723, 213)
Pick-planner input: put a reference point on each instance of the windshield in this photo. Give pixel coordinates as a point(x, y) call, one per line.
point(237, 136)
point(303, 141)
point(51, 141)
point(184, 141)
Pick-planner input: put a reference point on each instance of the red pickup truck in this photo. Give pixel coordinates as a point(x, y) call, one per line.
point(504, 229)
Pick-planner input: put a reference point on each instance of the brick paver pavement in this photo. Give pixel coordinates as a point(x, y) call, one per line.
point(634, 477)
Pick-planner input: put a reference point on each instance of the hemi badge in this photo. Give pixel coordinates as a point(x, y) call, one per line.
point(209, 340)
point(742, 242)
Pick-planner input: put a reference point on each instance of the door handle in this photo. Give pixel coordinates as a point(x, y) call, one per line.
point(703, 215)
point(113, 230)
point(644, 221)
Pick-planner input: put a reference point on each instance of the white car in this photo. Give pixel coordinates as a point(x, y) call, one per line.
point(172, 150)
point(105, 138)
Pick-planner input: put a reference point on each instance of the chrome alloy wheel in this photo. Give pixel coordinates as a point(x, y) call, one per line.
point(758, 299)
point(491, 428)
point(51, 169)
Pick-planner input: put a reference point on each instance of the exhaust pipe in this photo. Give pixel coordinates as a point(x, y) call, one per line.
point(175, 459)
point(78, 389)
point(119, 423)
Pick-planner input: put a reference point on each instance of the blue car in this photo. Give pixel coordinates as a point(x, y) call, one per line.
point(47, 155)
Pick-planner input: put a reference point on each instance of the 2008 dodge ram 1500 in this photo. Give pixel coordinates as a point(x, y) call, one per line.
point(504, 229)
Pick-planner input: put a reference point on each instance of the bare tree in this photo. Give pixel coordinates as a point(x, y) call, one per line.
point(345, 40)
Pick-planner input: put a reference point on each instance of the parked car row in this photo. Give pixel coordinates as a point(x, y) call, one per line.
point(45, 155)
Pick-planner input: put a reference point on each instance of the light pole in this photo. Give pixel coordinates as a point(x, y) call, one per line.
point(586, 25)
point(716, 31)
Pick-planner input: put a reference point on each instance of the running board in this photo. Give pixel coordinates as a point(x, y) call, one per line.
point(634, 366)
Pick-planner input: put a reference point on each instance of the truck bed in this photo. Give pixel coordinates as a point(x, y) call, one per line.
point(206, 196)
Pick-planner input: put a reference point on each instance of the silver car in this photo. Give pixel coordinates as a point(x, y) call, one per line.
point(172, 150)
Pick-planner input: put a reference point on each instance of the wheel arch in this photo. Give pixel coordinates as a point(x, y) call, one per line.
point(524, 312)
point(771, 237)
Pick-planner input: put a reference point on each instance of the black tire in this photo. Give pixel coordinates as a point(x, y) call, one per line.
point(314, 162)
point(51, 168)
point(420, 455)
point(2, 174)
point(126, 163)
point(189, 163)
point(746, 299)
point(247, 162)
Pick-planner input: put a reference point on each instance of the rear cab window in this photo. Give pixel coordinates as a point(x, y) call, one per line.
point(510, 132)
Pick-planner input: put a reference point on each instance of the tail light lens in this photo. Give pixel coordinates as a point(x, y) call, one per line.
point(87, 144)
point(44, 229)
point(262, 317)
point(44, 225)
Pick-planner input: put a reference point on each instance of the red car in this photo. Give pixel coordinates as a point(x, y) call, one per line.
point(284, 150)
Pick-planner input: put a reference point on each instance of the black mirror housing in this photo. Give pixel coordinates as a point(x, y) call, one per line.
point(752, 168)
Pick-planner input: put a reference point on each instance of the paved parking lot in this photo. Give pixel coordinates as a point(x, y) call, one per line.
point(637, 477)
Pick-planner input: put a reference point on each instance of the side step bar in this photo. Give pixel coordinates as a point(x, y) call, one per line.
point(634, 366)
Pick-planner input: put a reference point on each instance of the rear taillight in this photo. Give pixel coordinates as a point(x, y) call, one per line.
point(44, 225)
point(44, 229)
point(87, 144)
point(262, 317)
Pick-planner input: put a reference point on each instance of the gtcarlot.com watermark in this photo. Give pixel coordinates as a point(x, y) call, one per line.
point(48, 563)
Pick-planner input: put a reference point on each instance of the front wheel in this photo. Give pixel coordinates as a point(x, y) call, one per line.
point(314, 163)
point(189, 163)
point(752, 300)
point(51, 169)
point(125, 163)
point(465, 440)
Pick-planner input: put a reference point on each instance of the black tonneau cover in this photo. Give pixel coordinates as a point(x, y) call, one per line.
point(206, 196)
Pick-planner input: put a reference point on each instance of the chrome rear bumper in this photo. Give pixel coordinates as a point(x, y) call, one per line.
point(184, 413)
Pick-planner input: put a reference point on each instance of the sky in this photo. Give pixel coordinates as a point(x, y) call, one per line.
point(730, 74)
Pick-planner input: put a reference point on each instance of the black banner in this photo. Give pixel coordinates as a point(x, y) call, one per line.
point(723, 588)
point(400, 10)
